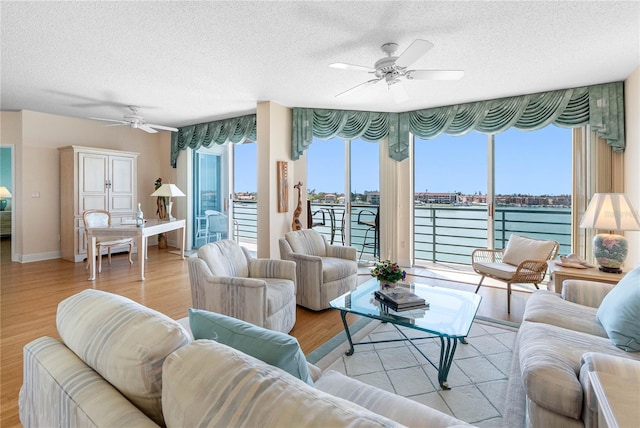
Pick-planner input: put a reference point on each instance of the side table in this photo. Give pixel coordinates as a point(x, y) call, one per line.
point(559, 273)
point(617, 404)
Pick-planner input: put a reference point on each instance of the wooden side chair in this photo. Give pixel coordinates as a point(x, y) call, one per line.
point(102, 218)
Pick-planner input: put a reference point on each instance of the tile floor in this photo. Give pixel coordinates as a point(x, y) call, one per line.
point(478, 376)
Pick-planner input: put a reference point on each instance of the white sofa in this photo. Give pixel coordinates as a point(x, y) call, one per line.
point(122, 364)
point(555, 345)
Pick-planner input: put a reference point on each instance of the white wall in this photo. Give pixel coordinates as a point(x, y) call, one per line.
point(632, 158)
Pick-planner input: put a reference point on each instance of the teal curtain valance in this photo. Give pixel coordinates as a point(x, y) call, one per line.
point(601, 106)
point(325, 124)
point(236, 130)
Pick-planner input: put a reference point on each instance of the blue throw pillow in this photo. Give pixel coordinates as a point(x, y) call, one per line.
point(619, 312)
point(272, 347)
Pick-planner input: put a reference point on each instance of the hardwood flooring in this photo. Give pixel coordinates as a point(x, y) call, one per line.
point(30, 293)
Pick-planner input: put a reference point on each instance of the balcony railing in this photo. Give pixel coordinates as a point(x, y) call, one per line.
point(441, 233)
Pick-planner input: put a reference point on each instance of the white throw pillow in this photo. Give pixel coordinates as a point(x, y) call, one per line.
point(520, 249)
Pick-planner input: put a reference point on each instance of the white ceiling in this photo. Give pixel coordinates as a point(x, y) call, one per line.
point(192, 62)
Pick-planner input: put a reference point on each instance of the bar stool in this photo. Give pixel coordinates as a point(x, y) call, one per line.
point(372, 226)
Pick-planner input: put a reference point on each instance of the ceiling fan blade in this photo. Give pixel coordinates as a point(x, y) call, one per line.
point(435, 74)
point(163, 128)
point(418, 48)
point(122, 122)
point(147, 128)
point(343, 66)
point(362, 85)
point(398, 92)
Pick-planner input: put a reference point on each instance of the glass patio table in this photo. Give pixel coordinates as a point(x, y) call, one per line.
point(448, 317)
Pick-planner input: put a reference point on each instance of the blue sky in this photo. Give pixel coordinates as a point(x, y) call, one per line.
point(537, 162)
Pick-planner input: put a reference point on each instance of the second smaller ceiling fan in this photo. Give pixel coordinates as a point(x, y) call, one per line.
point(392, 69)
point(136, 122)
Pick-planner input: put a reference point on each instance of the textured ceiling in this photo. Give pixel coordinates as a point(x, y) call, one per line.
point(191, 62)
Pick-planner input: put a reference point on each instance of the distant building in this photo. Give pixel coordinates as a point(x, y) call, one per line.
point(330, 198)
point(373, 198)
point(245, 196)
point(438, 198)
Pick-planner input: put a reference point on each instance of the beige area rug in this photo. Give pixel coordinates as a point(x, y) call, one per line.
point(478, 377)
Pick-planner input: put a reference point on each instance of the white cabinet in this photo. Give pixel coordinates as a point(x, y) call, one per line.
point(93, 178)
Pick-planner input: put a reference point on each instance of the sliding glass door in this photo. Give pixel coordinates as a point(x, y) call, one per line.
point(474, 191)
point(343, 193)
point(210, 190)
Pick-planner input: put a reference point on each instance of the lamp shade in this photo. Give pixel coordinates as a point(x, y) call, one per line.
point(169, 190)
point(4, 192)
point(611, 211)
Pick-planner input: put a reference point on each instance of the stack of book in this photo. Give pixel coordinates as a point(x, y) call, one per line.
point(400, 299)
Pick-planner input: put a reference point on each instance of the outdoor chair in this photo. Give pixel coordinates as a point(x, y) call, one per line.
point(102, 218)
point(523, 261)
point(226, 279)
point(323, 271)
point(216, 225)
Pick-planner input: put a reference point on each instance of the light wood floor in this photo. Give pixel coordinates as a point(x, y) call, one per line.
point(30, 293)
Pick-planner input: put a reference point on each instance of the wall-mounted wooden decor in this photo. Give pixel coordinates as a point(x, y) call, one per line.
point(283, 187)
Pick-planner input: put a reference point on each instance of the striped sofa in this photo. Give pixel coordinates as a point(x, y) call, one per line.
point(120, 364)
point(559, 342)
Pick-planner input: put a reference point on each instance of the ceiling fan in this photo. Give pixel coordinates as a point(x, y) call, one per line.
point(136, 122)
point(392, 69)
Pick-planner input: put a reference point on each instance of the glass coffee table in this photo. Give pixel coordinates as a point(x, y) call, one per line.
point(448, 317)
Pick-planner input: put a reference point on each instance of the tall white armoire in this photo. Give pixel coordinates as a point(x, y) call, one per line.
point(92, 178)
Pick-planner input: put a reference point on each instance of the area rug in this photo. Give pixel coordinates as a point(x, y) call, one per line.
point(478, 377)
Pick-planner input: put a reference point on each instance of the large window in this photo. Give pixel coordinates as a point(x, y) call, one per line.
point(523, 178)
point(343, 191)
point(533, 181)
point(450, 197)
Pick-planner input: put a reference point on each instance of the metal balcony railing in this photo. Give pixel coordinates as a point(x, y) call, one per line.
point(441, 233)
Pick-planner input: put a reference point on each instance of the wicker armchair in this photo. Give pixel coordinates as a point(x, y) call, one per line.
point(523, 261)
point(226, 279)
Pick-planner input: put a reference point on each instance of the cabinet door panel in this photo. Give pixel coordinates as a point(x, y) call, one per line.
point(92, 182)
point(93, 202)
point(122, 184)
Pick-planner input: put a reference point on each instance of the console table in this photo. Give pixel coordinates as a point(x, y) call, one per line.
point(560, 273)
point(140, 234)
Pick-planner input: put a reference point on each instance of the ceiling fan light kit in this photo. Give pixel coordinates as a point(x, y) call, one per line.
point(392, 69)
point(136, 121)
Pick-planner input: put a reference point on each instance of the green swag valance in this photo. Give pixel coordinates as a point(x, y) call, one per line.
point(235, 130)
point(601, 106)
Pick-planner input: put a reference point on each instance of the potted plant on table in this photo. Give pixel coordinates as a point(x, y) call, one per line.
point(388, 273)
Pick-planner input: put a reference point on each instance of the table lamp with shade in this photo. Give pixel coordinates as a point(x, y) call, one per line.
point(168, 190)
point(4, 195)
point(613, 212)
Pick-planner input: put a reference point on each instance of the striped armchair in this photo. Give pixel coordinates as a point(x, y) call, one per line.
point(323, 271)
point(226, 279)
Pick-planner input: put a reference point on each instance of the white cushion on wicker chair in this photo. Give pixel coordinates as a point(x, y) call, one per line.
point(520, 249)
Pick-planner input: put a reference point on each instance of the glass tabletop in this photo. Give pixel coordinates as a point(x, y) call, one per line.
point(450, 312)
